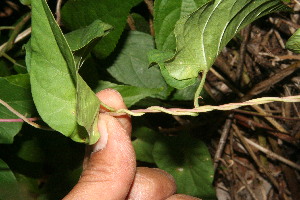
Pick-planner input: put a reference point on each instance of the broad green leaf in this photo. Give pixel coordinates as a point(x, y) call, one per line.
point(52, 80)
point(203, 34)
point(14, 90)
point(166, 14)
point(188, 161)
point(88, 106)
point(62, 98)
point(293, 43)
point(131, 66)
point(80, 38)
point(31, 151)
point(144, 143)
point(59, 38)
point(9, 188)
point(130, 94)
point(179, 84)
point(188, 93)
point(113, 12)
point(81, 43)
point(83, 40)
point(158, 56)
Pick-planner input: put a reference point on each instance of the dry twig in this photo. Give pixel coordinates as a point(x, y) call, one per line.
point(273, 155)
point(222, 141)
point(253, 156)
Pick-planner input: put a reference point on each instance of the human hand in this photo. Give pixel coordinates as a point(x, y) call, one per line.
point(109, 169)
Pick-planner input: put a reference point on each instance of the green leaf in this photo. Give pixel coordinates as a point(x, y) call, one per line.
point(203, 34)
point(179, 84)
point(14, 90)
point(31, 151)
point(9, 188)
point(188, 93)
point(131, 66)
point(293, 43)
point(49, 71)
point(188, 161)
point(88, 106)
point(158, 56)
point(130, 94)
point(62, 98)
point(113, 12)
point(82, 37)
point(144, 143)
point(166, 14)
point(83, 40)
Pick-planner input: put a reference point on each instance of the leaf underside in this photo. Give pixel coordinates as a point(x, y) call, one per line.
point(62, 98)
point(167, 13)
point(201, 35)
point(82, 40)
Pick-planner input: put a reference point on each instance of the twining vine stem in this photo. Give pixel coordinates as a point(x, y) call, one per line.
point(172, 111)
point(195, 111)
point(27, 120)
point(19, 120)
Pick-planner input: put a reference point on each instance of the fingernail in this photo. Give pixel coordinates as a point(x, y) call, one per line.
point(103, 136)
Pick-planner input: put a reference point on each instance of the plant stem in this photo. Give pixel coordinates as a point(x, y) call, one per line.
point(11, 109)
point(18, 120)
point(20, 37)
point(13, 61)
point(6, 27)
point(206, 108)
point(222, 141)
point(150, 6)
point(9, 44)
point(199, 89)
point(58, 15)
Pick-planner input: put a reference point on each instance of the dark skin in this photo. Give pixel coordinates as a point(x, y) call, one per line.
point(110, 171)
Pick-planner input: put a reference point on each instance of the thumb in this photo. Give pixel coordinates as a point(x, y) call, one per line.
point(110, 170)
